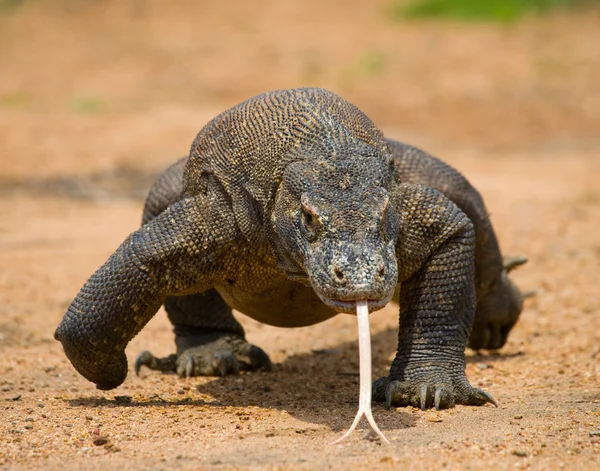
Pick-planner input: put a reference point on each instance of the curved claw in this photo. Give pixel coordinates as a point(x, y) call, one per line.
point(478, 397)
point(226, 363)
point(227, 355)
point(204, 362)
point(438, 399)
point(425, 399)
point(150, 361)
point(441, 395)
point(189, 367)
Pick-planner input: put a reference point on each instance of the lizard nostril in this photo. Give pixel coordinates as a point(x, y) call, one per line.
point(338, 273)
point(381, 271)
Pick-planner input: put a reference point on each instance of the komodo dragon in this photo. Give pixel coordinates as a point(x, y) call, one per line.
point(291, 208)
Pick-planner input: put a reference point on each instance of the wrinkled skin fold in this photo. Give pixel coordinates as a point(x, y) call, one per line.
point(290, 208)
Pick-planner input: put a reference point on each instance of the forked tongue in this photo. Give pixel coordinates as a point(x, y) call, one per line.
point(364, 349)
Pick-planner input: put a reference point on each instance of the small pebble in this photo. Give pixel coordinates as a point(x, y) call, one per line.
point(519, 453)
point(28, 426)
point(518, 417)
point(100, 441)
point(594, 433)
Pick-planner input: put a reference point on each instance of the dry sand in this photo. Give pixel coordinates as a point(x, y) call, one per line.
point(96, 97)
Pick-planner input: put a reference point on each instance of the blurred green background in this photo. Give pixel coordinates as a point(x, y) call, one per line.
point(130, 82)
point(494, 10)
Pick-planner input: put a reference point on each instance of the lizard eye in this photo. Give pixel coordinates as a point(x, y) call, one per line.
point(312, 224)
point(308, 219)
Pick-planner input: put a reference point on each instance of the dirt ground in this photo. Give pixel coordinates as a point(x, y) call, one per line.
point(96, 97)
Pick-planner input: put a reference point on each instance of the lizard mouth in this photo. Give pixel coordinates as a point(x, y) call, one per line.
point(349, 307)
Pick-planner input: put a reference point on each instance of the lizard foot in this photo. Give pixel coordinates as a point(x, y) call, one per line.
point(490, 335)
point(497, 311)
point(428, 390)
point(226, 355)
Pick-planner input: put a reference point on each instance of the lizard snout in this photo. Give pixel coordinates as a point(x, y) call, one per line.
point(340, 277)
point(343, 273)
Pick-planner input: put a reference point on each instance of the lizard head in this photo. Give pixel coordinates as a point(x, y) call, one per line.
point(334, 219)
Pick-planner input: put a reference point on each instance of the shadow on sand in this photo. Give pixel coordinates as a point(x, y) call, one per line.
point(320, 387)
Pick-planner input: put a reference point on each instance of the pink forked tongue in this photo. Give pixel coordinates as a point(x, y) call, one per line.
point(364, 349)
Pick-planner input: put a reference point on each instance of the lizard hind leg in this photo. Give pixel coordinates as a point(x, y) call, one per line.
point(209, 340)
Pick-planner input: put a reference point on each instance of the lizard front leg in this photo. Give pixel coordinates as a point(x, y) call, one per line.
point(435, 253)
point(178, 252)
point(209, 340)
point(499, 301)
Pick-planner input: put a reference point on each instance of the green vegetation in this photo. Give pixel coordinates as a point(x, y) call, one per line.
point(370, 64)
point(17, 100)
point(9, 5)
point(481, 10)
point(87, 105)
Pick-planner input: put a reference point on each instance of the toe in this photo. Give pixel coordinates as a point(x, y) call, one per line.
point(259, 359)
point(398, 394)
point(379, 389)
point(495, 340)
point(444, 398)
point(150, 361)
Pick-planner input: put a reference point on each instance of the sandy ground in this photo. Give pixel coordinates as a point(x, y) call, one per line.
point(96, 97)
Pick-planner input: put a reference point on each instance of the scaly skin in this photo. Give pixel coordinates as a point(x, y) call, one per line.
point(291, 209)
point(499, 301)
